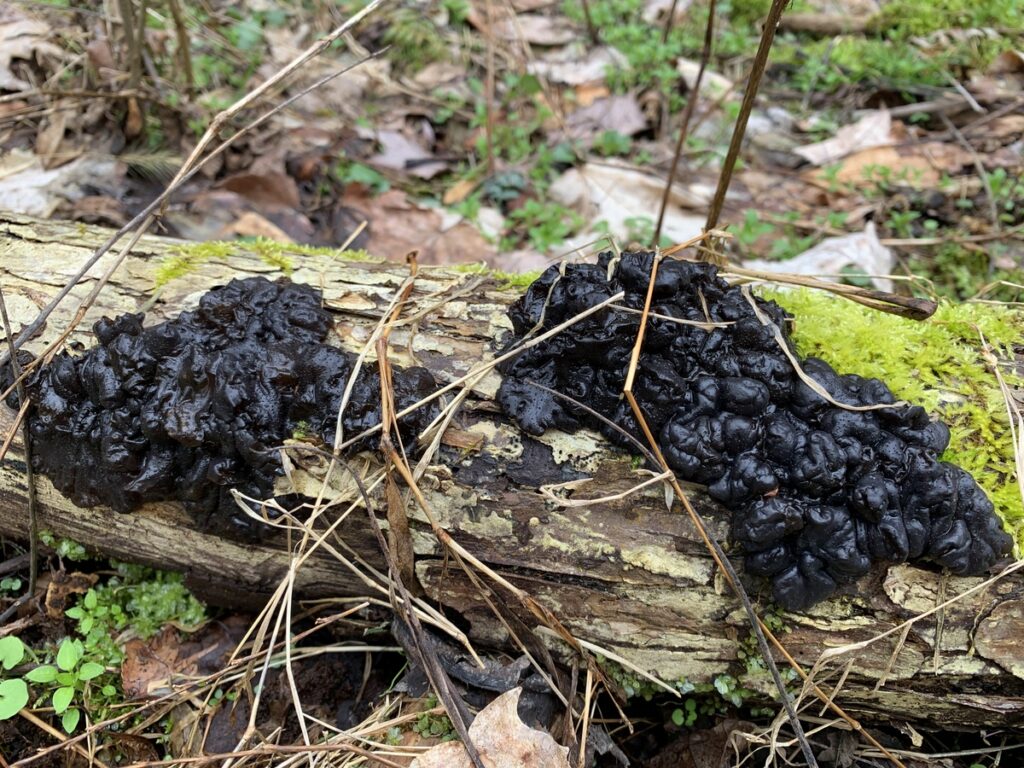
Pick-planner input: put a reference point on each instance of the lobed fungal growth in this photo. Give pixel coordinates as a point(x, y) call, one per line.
point(818, 492)
point(190, 408)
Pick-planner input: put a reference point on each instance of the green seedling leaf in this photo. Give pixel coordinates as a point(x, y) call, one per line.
point(13, 696)
point(62, 699)
point(89, 670)
point(68, 655)
point(70, 720)
point(75, 613)
point(12, 651)
point(66, 678)
point(46, 673)
point(90, 599)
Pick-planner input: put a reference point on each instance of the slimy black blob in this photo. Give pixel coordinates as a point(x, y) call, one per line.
point(187, 409)
point(818, 492)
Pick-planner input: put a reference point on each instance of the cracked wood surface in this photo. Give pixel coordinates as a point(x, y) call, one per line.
point(627, 575)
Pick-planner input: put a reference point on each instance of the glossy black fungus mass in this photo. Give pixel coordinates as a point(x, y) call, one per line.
point(189, 408)
point(818, 493)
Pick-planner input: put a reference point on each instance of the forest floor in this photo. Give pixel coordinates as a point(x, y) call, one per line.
point(884, 148)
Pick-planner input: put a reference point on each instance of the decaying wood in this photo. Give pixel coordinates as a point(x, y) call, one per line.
point(627, 575)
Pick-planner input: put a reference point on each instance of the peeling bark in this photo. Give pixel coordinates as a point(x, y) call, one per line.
point(628, 575)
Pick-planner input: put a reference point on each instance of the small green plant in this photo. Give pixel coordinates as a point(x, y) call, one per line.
point(65, 548)
point(13, 691)
point(357, 173)
point(547, 225)
point(68, 681)
point(611, 143)
point(434, 726)
point(10, 584)
point(136, 597)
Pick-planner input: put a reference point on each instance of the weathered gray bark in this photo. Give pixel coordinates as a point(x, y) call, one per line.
point(628, 575)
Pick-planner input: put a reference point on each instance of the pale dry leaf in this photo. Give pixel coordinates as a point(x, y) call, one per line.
point(574, 65)
point(873, 130)
point(400, 153)
point(503, 740)
point(37, 192)
point(862, 252)
point(25, 39)
point(626, 198)
point(712, 85)
point(537, 29)
point(621, 114)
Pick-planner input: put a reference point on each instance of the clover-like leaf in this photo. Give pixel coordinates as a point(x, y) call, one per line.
point(62, 699)
point(13, 696)
point(70, 720)
point(89, 670)
point(12, 651)
point(45, 673)
point(68, 655)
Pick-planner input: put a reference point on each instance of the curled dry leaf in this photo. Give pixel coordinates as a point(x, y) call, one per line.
point(862, 252)
point(503, 740)
point(25, 39)
point(874, 130)
point(572, 66)
point(626, 199)
point(536, 29)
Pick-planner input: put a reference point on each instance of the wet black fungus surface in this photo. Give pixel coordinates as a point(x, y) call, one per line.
point(818, 493)
point(190, 408)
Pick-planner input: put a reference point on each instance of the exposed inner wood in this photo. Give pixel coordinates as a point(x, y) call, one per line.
point(628, 575)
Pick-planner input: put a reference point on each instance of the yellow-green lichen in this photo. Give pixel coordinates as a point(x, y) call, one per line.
point(936, 363)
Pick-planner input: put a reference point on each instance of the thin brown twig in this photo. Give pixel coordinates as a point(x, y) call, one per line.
point(691, 103)
point(757, 70)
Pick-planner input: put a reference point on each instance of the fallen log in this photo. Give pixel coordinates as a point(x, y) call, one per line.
point(626, 574)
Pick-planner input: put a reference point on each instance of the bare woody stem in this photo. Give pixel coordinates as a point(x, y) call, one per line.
point(753, 83)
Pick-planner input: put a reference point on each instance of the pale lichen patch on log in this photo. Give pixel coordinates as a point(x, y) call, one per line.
point(659, 560)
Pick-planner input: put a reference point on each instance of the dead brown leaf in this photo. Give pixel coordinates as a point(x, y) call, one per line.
point(264, 189)
point(617, 113)
point(51, 135)
point(503, 740)
point(26, 39)
point(912, 170)
point(150, 666)
point(62, 587)
point(252, 224)
point(134, 122)
point(396, 226)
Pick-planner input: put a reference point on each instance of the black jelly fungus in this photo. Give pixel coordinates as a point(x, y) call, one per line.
point(818, 493)
point(192, 407)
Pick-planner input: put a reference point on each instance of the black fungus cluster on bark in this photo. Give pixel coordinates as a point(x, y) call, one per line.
point(818, 492)
point(190, 408)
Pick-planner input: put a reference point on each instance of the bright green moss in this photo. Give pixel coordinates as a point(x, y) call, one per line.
point(188, 258)
point(507, 279)
point(937, 364)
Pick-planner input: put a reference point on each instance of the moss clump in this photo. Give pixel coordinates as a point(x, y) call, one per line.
point(188, 258)
point(507, 279)
point(938, 364)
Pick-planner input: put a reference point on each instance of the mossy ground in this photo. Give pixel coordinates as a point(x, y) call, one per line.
point(937, 363)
